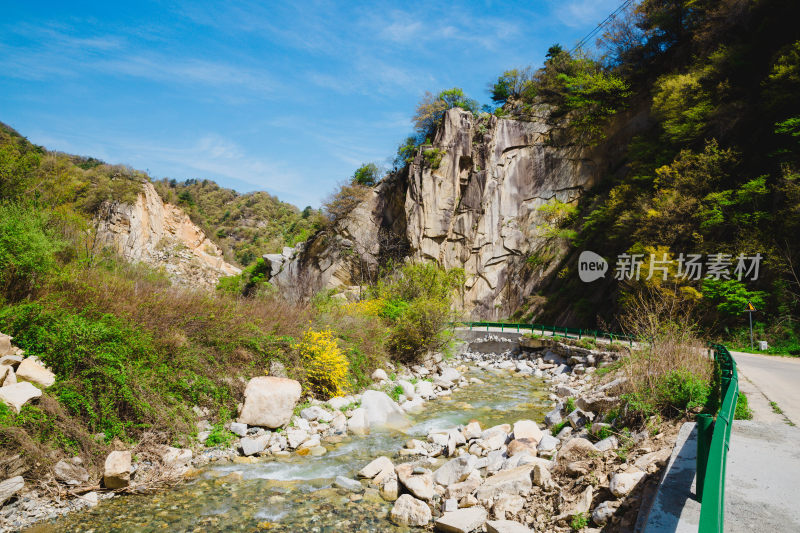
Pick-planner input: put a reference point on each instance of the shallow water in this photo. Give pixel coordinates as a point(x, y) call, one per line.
point(295, 494)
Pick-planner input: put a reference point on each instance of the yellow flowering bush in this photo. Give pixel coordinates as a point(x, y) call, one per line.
point(372, 307)
point(325, 364)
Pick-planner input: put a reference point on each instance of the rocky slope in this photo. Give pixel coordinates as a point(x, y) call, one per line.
point(162, 235)
point(473, 199)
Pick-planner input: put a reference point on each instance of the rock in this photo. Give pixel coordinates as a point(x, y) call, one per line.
point(390, 490)
point(237, 428)
point(7, 374)
point(277, 370)
point(542, 477)
point(177, 457)
point(253, 445)
point(548, 444)
point(348, 484)
point(376, 466)
point(598, 403)
point(408, 388)
point(5, 344)
point(450, 374)
point(562, 391)
point(514, 481)
point(518, 446)
point(425, 389)
point(472, 430)
point(310, 443)
point(339, 402)
point(450, 505)
point(455, 470)
point(10, 487)
point(91, 499)
point(464, 488)
point(18, 394)
point(576, 449)
point(315, 412)
point(495, 460)
point(653, 458)
point(603, 513)
point(420, 484)
point(578, 468)
point(380, 375)
point(506, 526)
point(510, 504)
point(11, 360)
point(117, 473)
point(295, 437)
point(578, 418)
point(462, 520)
point(583, 503)
point(609, 443)
point(527, 429)
point(382, 411)
point(553, 417)
point(409, 511)
point(357, 423)
point(69, 473)
point(554, 358)
point(32, 371)
point(269, 401)
point(622, 484)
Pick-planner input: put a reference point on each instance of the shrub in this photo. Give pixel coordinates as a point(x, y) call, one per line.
point(367, 175)
point(28, 249)
point(743, 411)
point(325, 364)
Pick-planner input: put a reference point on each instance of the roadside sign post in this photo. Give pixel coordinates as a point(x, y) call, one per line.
point(750, 309)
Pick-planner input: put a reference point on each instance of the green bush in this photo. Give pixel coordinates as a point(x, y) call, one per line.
point(743, 411)
point(678, 392)
point(28, 249)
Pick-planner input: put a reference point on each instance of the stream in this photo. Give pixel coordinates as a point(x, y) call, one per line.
point(295, 494)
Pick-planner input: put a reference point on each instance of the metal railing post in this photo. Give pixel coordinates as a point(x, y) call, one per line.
point(705, 429)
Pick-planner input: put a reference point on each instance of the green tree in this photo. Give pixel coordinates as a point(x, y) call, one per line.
point(431, 109)
point(367, 175)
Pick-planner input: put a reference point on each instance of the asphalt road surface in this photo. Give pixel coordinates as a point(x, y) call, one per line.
point(778, 378)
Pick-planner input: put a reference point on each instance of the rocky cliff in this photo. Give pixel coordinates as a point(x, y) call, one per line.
point(482, 197)
point(162, 235)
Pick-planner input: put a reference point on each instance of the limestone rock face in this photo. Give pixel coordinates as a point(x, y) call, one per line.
point(479, 209)
point(161, 234)
point(269, 401)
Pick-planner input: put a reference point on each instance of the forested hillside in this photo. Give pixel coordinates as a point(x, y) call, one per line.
point(716, 170)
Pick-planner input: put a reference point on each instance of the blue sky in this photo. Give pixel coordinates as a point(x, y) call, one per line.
point(286, 97)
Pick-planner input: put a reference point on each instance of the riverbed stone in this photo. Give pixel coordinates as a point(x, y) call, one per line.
point(269, 401)
point(295, 437)
point(381, 410)
point(455, 470)
point(348, 484)
point(409, 511)
point(548, 444)
point(69, 473)
point(339, 402)
point(450, 374)
point(506, 526)
point(176, 457)
point(464, 488)
point(357, 423)
point(425, 389)
point(19, 394)
point(117, 473)
point(575, 450)
point(609, 443)
point(237, 428)
point(472, 430)
point(408, 388)
point(417, 480)
point(527, 429)
point(253, 445)
point(621, 484)
point(518, 446)
point(7, 374)
point(603, 512)
point(380, 375)
point(5, 344)
point(11, 360)
point(376, 466)
point(514, 481)
point(553, 417)
point(315, 412)
point(508, 504)
point(34, 372)
point(462, 520)
point(10, 487)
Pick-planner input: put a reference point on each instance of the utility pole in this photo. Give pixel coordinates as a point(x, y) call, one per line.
point(750, 309)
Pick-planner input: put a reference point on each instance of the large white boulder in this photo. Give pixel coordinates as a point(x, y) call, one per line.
point(31, 370)
point(514, 481)
point(623, 483)
point(377, 466)
point(425, 389)
point(5, 344)
point(117, 473)
point(382, 411)
point(357, 423)
point(455, 470)
point(269, 401)
point(418, 480)
point(527, 429)
point(70, 473)
point(7, 375)
point(409, 511)
point(18, 394)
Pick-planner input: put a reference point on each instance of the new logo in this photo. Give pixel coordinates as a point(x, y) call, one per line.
point(591, 266)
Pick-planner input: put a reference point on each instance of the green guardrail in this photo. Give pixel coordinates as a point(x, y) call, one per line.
point(713, 441)
point(553, 331)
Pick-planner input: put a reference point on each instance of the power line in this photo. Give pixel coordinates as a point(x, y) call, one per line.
point(608, 19)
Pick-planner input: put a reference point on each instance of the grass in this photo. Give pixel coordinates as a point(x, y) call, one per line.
point(743, 411)
point(579, 521)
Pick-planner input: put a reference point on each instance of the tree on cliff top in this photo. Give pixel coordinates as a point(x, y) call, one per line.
point(431, 109)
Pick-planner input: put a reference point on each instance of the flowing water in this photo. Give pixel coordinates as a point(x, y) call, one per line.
point(295, 494)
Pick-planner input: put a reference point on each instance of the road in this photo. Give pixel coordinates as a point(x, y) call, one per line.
point(778, 378)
